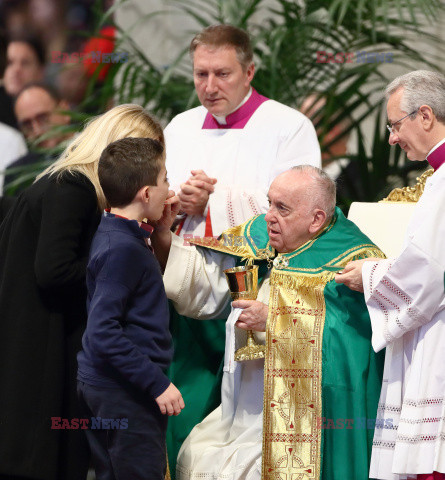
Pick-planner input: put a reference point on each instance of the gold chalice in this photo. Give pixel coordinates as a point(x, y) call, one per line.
point(243, 285)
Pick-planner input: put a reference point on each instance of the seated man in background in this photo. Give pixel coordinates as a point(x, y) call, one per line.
point(321, 376)
point(38, 109)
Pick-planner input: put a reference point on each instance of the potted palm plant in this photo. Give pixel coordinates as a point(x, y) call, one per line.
point(334, 50)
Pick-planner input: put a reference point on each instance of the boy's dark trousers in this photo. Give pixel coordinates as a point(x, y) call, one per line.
point(137, 452)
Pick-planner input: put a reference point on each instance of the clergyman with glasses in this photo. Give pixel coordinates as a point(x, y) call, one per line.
point(406, 296)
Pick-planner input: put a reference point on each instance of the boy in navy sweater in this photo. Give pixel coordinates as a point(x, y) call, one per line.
point(126, 347)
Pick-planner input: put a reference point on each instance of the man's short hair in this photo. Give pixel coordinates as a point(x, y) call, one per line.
point(222, 36)
point(420, 87)
point(126, 166)
point(34, 43)
point(51, 91)
point(323, 196)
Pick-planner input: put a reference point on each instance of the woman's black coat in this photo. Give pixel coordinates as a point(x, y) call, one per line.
point(44, 245)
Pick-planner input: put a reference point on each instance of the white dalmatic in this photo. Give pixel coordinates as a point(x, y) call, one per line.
point(406, 302)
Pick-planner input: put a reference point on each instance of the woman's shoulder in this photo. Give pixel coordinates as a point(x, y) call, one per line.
point(74, 178)
point(65, 179)
point(66, 189)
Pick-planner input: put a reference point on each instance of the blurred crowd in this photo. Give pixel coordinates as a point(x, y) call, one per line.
point(44, 74)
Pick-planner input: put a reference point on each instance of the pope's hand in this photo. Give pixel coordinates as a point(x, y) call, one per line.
point(253, 316)
point(195, 192)
point(351, 275)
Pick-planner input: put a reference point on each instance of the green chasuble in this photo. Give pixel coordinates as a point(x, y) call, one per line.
point(322, 379)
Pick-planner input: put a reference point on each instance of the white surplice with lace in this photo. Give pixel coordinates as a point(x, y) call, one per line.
point(406, 302)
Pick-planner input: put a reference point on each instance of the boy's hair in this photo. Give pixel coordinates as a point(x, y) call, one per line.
point(127, 165)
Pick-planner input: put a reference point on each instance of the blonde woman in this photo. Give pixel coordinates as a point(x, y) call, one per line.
point(44, 245)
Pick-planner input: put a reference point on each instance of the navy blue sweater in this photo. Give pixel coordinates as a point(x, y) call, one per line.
point(127, 339)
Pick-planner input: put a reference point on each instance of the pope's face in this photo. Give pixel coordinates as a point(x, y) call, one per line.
point(408, 133)
point(290, 213)
point(220, 81)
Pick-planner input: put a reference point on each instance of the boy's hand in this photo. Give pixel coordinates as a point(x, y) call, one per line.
point(170, 401)
point(162, 236)
point(171, 209)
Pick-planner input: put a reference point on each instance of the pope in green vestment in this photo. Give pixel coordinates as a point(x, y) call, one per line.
point(307, 411)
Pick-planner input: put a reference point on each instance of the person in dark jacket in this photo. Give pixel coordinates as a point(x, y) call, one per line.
point(5, 204)
point(44, 245)
point(127, 345)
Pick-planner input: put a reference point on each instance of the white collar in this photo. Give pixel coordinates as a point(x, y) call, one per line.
point(436, 147)
point(221, 119)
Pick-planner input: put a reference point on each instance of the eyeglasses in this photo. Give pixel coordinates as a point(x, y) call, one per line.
point(390, 127)
point(41, 119)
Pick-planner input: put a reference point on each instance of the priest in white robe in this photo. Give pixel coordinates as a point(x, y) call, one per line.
point(221, 159)
point(406, 297)
point(237, 139)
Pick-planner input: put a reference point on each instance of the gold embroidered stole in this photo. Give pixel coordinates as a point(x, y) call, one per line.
point(294, 337)
point(292, 376)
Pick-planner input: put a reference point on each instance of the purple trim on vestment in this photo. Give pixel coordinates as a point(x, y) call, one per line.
point(437, 158)
point(238, 118)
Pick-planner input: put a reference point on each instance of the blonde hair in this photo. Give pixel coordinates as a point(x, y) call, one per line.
point(83, 153)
